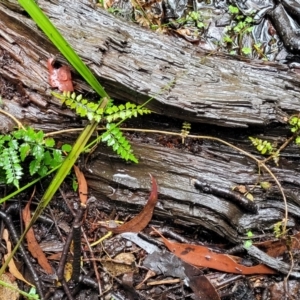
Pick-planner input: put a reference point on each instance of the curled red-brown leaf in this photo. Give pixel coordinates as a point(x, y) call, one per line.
point(33, 246)
point(201, 256)
point(82, 185)
point(276, 248)
point(61, 77)
point(140, 221)
point(12, 266)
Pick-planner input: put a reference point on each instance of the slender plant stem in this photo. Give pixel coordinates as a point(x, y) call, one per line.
point(23, 188)
point(28, 296)
point(20, 125)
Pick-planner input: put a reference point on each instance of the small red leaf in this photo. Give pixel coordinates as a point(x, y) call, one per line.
point(61, 77)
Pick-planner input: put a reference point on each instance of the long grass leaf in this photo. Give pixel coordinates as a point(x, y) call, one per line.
point(62, 45)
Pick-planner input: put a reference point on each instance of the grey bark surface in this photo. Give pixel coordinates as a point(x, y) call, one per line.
point(126, 187)
point(133, 64)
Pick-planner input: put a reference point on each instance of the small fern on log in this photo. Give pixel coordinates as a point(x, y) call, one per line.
point(115, 139)
point(113, 136)
point(186, 127)
point(262, 146)
point(91, 110)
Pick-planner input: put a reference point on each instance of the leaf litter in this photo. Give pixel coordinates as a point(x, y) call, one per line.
point(184, 261)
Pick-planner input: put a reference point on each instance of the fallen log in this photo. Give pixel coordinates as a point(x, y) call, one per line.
point(125, 187)
point(134, 64)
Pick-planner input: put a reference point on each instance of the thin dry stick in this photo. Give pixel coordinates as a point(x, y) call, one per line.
point(87, 243)
point(292, 267)
point(94, 262)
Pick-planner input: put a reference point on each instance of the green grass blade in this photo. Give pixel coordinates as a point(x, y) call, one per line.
point(62, 45)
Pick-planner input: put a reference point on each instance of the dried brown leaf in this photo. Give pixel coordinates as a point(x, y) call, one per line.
point(121, 264)
point(276, 248)
point(201, 256)
point(143, 21)
point(139, 222)
point(12, 267)
point(207, 290)
point(82, 185)
point(33, 246)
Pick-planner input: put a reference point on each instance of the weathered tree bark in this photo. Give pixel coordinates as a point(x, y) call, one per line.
point(133, 64)
point(179, 201)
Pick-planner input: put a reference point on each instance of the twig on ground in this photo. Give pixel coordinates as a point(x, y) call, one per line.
point(13, 233)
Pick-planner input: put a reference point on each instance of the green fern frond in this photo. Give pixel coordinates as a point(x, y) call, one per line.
point(91, 110)
point(113, 136)
point(82, 107)
point(10, 163)
point(115, 139)
point(262, 146)
point(123, 112)
point(34, 166)
point(266, 148)
point(186, 127)
point(26, 151)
